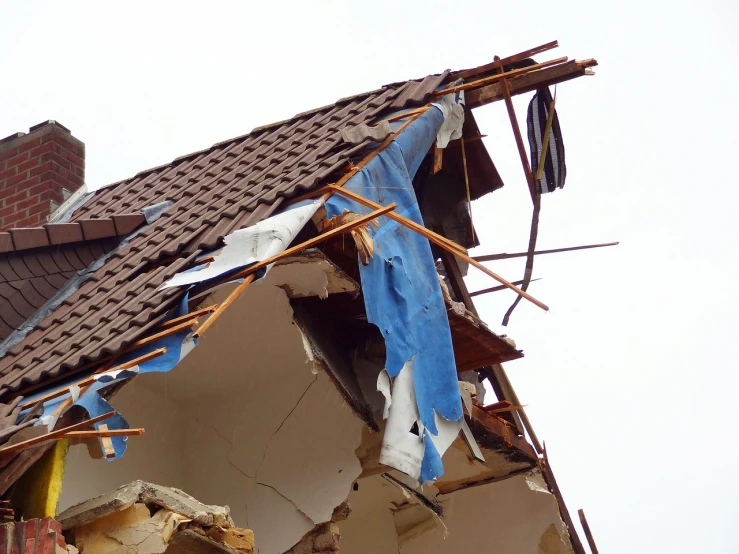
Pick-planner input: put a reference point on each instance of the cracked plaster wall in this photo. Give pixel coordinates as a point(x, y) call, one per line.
point(513, 516)
point(245, 420)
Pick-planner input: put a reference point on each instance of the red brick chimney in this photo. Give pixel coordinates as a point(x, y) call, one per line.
point(38, 171)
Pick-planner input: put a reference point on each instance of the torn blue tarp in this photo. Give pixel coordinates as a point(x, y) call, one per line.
point(402, 294)
point(178, 345)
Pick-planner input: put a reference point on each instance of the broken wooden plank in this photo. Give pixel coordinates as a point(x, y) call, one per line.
point(545, 140)
point(438, 158)
point(225, 304)
point(173, 330)
point(105, 442)
point(100, 432)
point(188, 317)
point(441, 242)
point(531, 81)
point(499, 76)
point(546, 470)
point(588, 533)
point(53, 434)
point(472, 72)
point(499, 287)
point(505, 256)
point(89, 380)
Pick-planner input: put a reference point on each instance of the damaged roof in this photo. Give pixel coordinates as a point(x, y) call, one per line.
point(229, 186)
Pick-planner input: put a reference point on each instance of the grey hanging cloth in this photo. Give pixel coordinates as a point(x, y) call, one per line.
point(555, 171)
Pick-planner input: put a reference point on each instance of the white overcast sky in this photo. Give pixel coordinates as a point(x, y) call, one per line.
point(631, 377)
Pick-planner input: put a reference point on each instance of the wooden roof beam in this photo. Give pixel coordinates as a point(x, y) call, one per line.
point(529, 81)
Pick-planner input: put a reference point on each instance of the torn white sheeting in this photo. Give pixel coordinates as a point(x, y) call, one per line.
point(383, 385)
point(253, 244)
point(452, 106)
point(402, 448)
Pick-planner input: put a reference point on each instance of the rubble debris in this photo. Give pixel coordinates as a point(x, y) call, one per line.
point(144, 518)
point(34, 536)
point(146, 493)
point(191, 542)
point(325, 537)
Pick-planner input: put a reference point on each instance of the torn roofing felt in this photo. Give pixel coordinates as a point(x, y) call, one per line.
point(401, 289)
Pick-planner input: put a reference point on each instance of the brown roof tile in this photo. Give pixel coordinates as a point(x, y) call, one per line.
point(24, 239)
point(231, 185)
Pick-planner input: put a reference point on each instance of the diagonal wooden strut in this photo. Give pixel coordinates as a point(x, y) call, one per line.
point(439, 241)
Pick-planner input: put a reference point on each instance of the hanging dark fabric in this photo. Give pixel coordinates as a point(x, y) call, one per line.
point(555, 171)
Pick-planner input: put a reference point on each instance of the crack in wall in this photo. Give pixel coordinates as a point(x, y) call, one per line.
point(266, 447)
point(231, 449)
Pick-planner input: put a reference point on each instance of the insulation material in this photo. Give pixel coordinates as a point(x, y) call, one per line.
point(36, 494)
point(403, 298)
point(452, 106)
point(248, 246)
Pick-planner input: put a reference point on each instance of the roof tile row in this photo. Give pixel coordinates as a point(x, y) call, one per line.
point(54, 234)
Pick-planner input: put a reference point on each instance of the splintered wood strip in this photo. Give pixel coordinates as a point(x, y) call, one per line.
point(467, 188)
point(586, 529)
point(91, 379)
point(443, 243)
point(53, 434)
point(498, 288)
point(162, 334)
point(546, 470)
point(225, 304)
point(507, 60)
point(545, 140)
point(188, 317)
point(400, 116)
point(517, 133)
point(521, 84)
point(438, 158)
point(106, 443)
point(504, 256)
point(395, 217)
point(103, 433)
point(499, 76)
point(248, 274)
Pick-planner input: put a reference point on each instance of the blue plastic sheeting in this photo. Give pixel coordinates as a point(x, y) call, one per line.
point(402, 294)
point(95, 405)
point(173, 343)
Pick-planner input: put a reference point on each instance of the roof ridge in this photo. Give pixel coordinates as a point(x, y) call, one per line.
point(54, 234)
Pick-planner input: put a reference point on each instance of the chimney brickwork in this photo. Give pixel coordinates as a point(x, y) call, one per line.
point(38, 171)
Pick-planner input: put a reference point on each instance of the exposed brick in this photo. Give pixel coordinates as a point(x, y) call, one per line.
point(8, 172)
point(36, 220)
point(17, 160)
point(43, 168)
point(34, 536)
point(41, 207)
point(35, 169)
point(30, 145)
point(17, 197)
